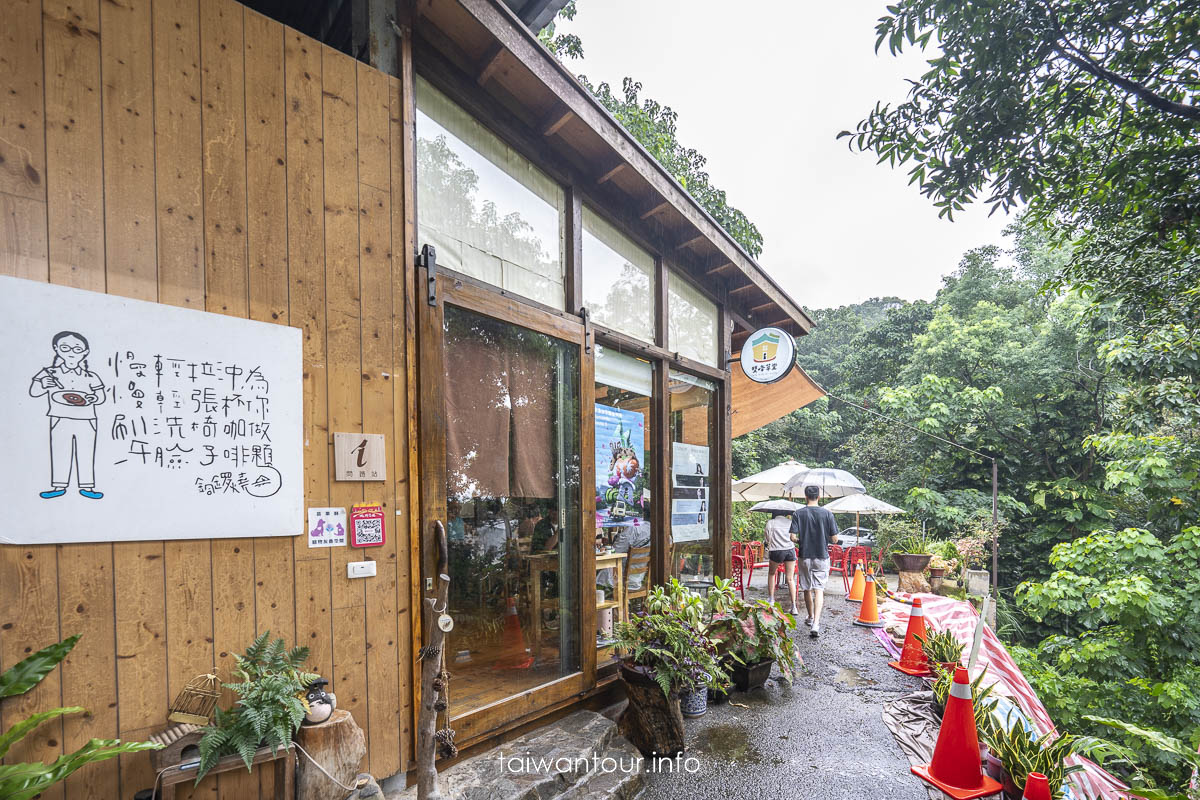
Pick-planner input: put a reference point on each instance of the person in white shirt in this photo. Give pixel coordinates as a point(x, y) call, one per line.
point(781, 550)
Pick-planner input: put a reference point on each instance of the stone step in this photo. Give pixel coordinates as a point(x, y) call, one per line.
point(579, 757)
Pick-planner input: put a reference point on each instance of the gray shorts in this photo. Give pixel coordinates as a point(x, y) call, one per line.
point(812, 573)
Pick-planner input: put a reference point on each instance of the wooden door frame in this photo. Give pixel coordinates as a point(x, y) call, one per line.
point(464, 292)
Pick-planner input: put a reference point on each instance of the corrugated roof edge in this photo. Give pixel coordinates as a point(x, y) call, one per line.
point(803, 319)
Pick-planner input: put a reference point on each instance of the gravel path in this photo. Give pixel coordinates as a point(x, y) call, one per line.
point(822, 738)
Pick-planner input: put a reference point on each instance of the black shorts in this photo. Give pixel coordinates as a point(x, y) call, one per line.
point(781, 556)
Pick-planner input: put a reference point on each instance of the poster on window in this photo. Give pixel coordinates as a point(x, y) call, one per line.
point(689, 492)
point(127, 420)
point(620, 476)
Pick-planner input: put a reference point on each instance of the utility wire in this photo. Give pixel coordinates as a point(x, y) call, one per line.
point(910, 427)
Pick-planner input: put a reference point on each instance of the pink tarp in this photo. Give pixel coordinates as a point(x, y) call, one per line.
point(958, 617)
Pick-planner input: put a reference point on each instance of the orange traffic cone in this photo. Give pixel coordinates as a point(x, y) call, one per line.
point(912, 659)
point(513, 654)
point(955, 768)
point(856, 588)
point(1037, 787)
point(868, 612)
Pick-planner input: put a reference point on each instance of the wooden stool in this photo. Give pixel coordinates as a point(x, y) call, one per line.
point(285, 772)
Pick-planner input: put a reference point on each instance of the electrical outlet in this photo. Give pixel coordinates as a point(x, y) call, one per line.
point(360, 569)
point(429, 584)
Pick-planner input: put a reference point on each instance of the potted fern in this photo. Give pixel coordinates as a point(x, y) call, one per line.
point(270, 707)
point(667, 651)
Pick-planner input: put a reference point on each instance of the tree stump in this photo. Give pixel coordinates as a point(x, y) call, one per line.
point(651, 722)
point(914, 582)
point(338, 745)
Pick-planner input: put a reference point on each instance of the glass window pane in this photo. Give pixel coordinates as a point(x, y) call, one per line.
point(623, 440)
point(692, 421)
point(512, 507)
point(618, 279)
point(490, 213)
point(691, 322)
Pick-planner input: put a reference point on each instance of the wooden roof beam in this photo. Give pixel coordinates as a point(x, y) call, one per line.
point(611, 173)
point(742, 289)
point(490, 63)
point(763, 307)
point(655, 209)
point(691, 240)
point(554, 121)
point(720, 269)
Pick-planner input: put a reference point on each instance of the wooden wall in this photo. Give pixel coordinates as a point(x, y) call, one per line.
point(195, 153)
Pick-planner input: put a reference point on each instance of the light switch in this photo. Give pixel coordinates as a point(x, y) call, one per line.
point(360, 569)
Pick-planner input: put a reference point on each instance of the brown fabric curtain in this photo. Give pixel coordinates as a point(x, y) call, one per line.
point(499, 412)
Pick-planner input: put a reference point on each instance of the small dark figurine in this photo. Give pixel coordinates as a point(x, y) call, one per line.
point(320, 702)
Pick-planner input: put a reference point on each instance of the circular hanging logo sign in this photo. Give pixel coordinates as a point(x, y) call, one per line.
point(768, 355)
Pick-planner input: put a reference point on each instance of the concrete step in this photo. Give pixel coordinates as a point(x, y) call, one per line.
point(579, 757)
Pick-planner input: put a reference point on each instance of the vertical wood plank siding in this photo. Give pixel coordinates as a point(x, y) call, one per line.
point(195, 153)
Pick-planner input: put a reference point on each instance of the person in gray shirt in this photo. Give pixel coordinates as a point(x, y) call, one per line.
point(815, 530)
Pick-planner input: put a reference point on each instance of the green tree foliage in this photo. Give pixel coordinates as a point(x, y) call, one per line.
point(653, 124)
point(1087, 115)
point(1085, 112)
point(1130, 632)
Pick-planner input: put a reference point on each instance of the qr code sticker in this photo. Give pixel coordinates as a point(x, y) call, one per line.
point(368, 531)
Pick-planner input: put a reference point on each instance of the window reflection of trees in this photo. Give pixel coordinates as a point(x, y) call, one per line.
point(626, 306)
point(447, 189)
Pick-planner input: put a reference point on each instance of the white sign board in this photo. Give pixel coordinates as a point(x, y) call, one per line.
point(124, 420)
point(326, 527)
point(768, 355)
point(689, 492)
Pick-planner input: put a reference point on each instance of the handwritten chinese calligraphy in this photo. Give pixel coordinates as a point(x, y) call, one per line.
point(129, 420)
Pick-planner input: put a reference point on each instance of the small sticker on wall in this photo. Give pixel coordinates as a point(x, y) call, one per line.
point(326, 527)
point(366, 525)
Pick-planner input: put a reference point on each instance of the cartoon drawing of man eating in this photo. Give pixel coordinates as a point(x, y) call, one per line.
point(73, 392)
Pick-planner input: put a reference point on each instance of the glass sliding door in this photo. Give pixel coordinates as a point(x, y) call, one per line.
point(512, 486)
point(623, 391)
point(692, 423)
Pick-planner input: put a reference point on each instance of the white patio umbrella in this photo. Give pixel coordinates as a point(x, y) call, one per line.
point(861, 504)
point(832, 482)
point(772, 506)
point(768, 483)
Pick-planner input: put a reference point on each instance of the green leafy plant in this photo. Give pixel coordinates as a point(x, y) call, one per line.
point(914, 542)
point(1021, 754)
point(1171, 747)
point(270, 706)
point(941, 647)
point(754, 631)
point(23, 780)
point(668, 640)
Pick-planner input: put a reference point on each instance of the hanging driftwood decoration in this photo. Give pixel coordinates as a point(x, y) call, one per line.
point(429, 738)
point(196, 700)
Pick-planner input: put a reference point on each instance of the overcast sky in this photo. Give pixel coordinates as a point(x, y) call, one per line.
point(762, 88)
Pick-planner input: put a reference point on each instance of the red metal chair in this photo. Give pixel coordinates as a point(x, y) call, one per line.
point(739, 563)
point(837, 563)
point(755, 557)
